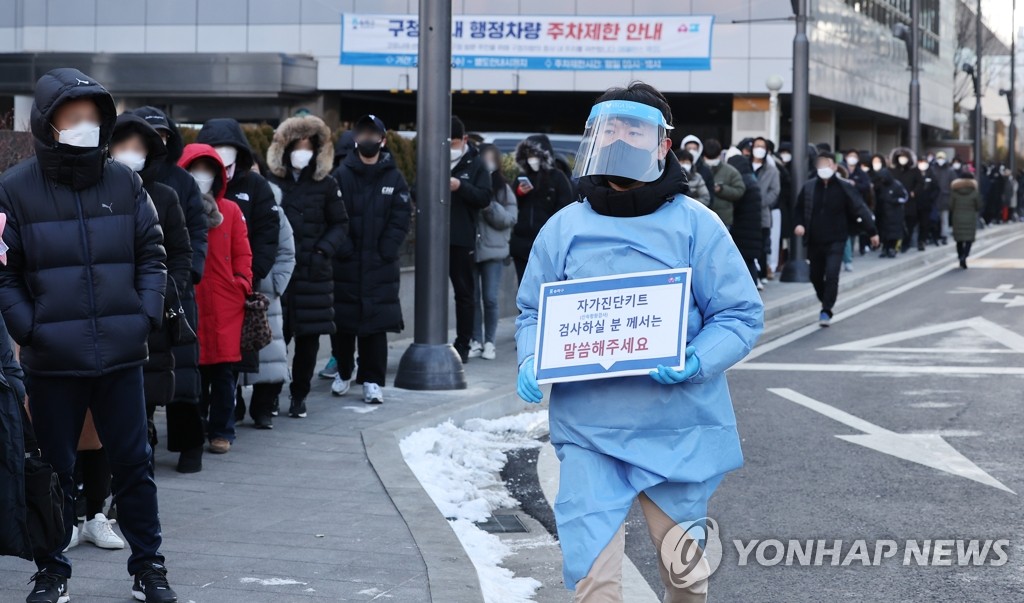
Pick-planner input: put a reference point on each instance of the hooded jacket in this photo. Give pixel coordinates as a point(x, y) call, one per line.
point(85, 276)
point(890, 196)
point(312, 203)
point(621, 436)
point(964, 205)
point(184, 186)
point(250, 191)
point(732, 189)
point(15, 539)
point(909, 176)
point(473, 195)
point(551, 192)
point(699, 165)
point(768, 180)
point(221, 294)
point(159, 369)
point(379, 209)
point(746, 225)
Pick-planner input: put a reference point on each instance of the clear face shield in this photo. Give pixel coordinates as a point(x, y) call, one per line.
point(624, 139)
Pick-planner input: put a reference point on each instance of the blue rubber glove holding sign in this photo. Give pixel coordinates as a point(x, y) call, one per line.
point(527, 386)
point(669, 376)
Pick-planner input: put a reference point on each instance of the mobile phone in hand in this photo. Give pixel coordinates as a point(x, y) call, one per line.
point(524, 184)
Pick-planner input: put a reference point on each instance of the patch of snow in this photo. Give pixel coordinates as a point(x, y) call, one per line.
point(272, 581)
point(361, 409)
point(459, 468)
point(935, 405)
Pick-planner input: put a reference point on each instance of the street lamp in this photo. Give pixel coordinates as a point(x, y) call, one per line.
point(961, 121)
point(774, 84)
point(796, 269)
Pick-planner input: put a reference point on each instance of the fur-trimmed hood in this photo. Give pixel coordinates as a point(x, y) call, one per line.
point(535, 146)
point(294, 129)
point(902, 151)
point(963, 184)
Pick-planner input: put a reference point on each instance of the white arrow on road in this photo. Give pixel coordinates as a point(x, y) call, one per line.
point(929, 450)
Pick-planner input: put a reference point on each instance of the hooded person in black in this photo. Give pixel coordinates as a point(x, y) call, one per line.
point(546, 191)
point(247, 189)
point(82, 289)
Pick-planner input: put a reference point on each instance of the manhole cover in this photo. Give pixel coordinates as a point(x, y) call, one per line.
point(498, 524)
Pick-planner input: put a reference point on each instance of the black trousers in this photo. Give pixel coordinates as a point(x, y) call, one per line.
point(373, 356)
point(303, 363)
point(921, 221)
point(461, 263)
point(963, 249)
point(826, 261)
point(118, 407)
point(520, 268)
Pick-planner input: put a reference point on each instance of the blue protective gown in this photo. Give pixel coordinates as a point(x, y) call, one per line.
point(621, 436)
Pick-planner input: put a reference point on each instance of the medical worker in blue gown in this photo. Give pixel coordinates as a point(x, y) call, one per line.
point(670, 437)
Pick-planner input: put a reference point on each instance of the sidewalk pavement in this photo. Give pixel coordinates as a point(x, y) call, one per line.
point(324, 508)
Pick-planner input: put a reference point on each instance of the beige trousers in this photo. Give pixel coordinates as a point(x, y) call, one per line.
point(603, 584)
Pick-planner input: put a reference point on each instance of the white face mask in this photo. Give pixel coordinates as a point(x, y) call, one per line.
point(940, 162)
point(457, 154)
point(134, 160)
point(760, 152)
point(851, 160)
point(922, 166)
point(902, 160)
point(825, 173)
point(534, 163)
point(491, 167)
point(713, 162)
point(228, 154)
point(956, 166)
point(786, 157)
point(300, 158)
point(231, 171)
point(203, 180)
point(85, 135)
point(876, 165)
point(686, 167)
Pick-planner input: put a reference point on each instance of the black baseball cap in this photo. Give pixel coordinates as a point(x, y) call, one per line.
point(370, 122)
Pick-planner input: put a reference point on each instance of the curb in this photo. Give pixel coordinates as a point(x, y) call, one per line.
point(451, 576)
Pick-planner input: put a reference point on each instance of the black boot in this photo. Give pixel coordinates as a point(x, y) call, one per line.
point(239, 405)
point(191, 460)
point(259, 409)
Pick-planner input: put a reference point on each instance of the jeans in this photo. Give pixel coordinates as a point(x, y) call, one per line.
point(461, 264)
point(373, 356)
point(218, 393)
point(118, 406)
point(826, 261)
point(486, 282)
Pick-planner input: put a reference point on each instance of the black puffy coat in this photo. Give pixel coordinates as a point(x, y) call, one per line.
point(313, 205)
point(366, 283)
point(250, 191)
point(746, 213)
point(14, 534)
point(551, 192)
point(473, 195)
point(85, 275)
point(890, 197)
point(159, 369)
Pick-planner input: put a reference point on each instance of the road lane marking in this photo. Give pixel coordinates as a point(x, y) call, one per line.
point(878, 369)
point(1012, 342)
point(999, 263)
point(995, 296)
point(928, 449)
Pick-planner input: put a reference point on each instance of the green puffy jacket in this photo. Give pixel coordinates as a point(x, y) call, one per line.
point(732, 189)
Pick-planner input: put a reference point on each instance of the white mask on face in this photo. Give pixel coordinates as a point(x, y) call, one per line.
point(686, 167)
point(852, 160)
point(876, 165)
point(713, 162)
point(825, 173)
point(760, 152)
point(203, 180)
point(300, 158)
point(786, 157)
point(956, 166)
point(902, 160)
point(922, 166)
point(492, 167)
point(134, 160)
point(85, 135)
point(534, 163)
point(228, 154)
point(457, 154)
point(940, 162)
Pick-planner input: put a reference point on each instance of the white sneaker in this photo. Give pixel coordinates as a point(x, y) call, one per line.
point(340, 386)
point(488, 353)
point(98, 531)
point(475, 349)
point(75, 539)
point(372, 393)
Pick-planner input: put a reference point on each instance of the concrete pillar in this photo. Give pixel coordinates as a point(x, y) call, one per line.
point(750, 117)
point(22, 113)
point(858, 135)
point(823, 127)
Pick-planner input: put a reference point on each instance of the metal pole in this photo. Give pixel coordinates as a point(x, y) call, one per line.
point(1012, 142)
point(915, 82)
point(977, 94)
point(431, 363)
point(796, 269)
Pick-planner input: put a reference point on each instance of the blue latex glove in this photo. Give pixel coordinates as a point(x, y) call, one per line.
point(527, 387)
point(669, 376)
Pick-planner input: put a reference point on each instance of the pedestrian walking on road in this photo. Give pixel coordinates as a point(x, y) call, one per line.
point(668, 438)
point(964, 205)
point(824, 211)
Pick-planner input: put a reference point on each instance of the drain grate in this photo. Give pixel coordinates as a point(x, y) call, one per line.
point(502, 524)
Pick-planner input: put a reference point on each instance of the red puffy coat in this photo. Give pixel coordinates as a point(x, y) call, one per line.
point(227, 279)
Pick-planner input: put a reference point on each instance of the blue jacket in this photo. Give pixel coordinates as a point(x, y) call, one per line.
point(622, 436)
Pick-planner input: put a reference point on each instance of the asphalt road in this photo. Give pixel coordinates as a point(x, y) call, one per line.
point(925, 383)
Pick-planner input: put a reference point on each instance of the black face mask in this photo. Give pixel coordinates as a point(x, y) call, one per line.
point(623, 157)
point(621, 181)
point(368, 149)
